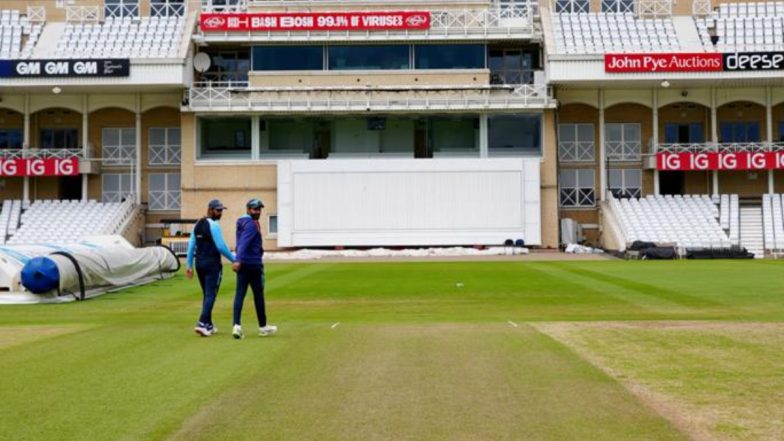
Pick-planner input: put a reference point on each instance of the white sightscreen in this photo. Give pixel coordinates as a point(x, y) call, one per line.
point(359, 202)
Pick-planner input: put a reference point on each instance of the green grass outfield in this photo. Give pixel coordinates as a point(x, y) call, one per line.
point(605, 350)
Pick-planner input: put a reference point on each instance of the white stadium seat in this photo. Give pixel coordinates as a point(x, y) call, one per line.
point(18, 35)
point(61, 222)
point(690, 221)
point(600, 32)
point(145, 37)
point(744, 27)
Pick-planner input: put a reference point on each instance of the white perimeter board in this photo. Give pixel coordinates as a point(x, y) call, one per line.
point(408, 202)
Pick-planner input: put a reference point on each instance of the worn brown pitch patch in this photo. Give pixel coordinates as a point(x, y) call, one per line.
point(715, 415)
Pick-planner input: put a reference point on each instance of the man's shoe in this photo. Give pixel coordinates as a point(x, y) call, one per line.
point(267, 330)
point(202, 330)
point(237, 332)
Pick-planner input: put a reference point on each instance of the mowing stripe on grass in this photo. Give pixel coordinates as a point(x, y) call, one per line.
point(679, 298)
point(426, 382)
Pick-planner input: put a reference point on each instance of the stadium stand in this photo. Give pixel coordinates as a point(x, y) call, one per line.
point(773, 222)
point(18, 35)
point(744, 26)
point(687, 221)
point(63, 221)
point(599, 32)
point(145, 37)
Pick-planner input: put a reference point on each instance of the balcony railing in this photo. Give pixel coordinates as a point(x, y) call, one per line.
point(33, 153)
point(232, 96)
point(623, 150)
point(82, 14)
point(722, 147)
point(168, 8)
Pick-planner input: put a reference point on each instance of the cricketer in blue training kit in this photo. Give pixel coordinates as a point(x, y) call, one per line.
point(207, 245)
point(250, 269)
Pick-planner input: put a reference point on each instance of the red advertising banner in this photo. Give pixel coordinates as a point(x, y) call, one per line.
point(665, 62)
point(315, 21)
point(720, 161)
point(39, 167)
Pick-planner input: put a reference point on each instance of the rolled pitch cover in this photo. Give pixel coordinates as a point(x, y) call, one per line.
point(41, 275)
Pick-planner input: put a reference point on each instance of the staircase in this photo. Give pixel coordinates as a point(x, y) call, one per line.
point(47, 42)
point(686, 30)
point(751, 233)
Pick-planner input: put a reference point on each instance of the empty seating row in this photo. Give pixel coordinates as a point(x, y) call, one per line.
point(687, 221)
point(585, 33)
point(18, 35)
point(773, 221)
point(9, 218)
point(742, 33)
point(758, 9)
point(62, 222)
point(146, 37)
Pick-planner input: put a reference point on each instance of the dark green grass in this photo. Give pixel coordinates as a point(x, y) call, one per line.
point(402, 364)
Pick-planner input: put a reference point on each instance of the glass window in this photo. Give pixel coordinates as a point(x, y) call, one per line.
point(575, 142)
point(454, 136)
point(515, 134)
point(272, 225)
point(11, 138)
point(370, 57)
point(59, 138)
point(739, 132)
point(623, 141)
point(677, 133)
point(228, 66)
point(449, 56)
point(164, 191)
point(118, 145)
point(512, 65)
point(164, 146)
point(294, 137)
point(572, 6)
point(577, 188)
point(288, 58)
point(121, 8)
point(225, 137)
point(115, 187)
point(618, 6)
point(167, 8)
point(626, 183)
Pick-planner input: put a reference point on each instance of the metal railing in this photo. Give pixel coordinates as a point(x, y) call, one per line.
point(227, 96)
point(121, 10)
point(701, 8)
point(165, 154)
point(721, 147)
point(576, 151)
point(167, 8)
point(39, 153)
point(623, 150)
point(654, 8)
point(36, 14)
point(119, 154)
point(82, 14)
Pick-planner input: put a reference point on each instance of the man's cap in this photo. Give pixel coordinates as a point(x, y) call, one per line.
point(255, 203)
point(216, 204)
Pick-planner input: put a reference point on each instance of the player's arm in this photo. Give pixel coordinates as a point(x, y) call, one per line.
point(217, 238)
point(191, 250)
point(240, 243)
